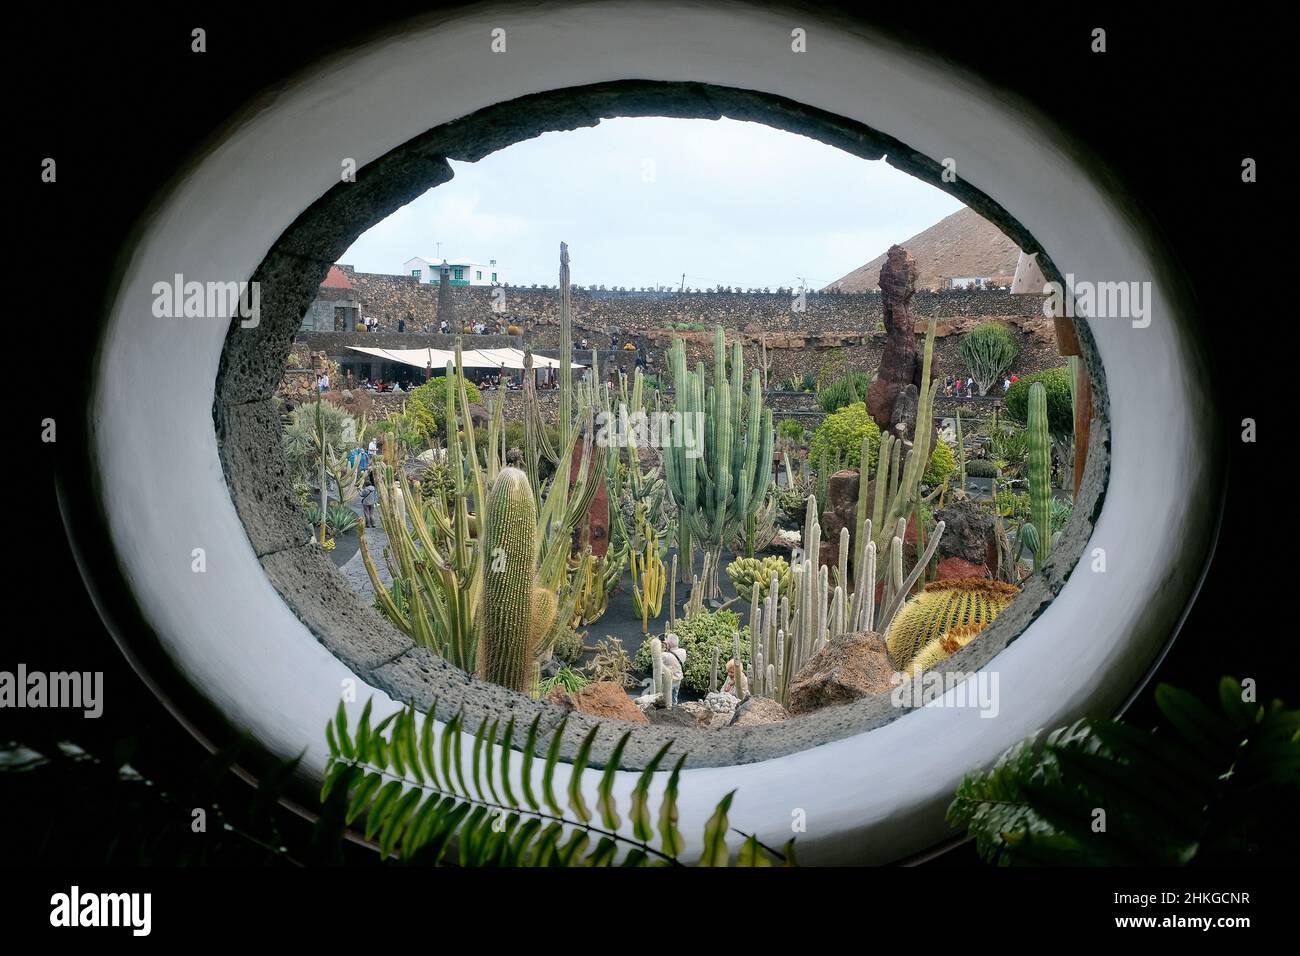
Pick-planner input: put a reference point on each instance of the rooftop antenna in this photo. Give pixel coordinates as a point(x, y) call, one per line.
point(438, 254)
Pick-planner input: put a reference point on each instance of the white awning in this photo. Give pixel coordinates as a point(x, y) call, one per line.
point(510, 358)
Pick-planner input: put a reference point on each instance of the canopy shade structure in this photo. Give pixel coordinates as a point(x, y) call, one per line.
point(471, 358)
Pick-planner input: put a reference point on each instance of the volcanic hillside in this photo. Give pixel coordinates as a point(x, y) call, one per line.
point(957, 246)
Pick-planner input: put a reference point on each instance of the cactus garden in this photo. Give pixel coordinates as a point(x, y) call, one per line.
point(662, 550)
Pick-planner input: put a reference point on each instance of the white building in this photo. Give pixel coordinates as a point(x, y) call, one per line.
point(968, 282)
point(461, 271)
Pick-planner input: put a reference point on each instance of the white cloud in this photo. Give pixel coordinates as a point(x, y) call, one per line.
point(727, 203)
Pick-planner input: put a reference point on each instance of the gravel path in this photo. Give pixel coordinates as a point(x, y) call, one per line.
point(354, 570)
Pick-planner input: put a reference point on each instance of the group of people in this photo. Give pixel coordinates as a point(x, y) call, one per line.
point(954, 387)
point(674, 659)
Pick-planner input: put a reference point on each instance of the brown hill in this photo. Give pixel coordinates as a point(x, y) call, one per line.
point(957, 246)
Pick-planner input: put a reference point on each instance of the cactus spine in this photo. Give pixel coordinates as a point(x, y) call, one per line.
point(510, 593)
point(1040, 473)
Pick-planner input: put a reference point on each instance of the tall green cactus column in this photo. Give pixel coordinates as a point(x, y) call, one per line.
point(507, 641)
point(1040, 473)
point(721, 480)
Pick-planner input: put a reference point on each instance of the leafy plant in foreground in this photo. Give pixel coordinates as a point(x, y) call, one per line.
point(427, 801)
point(1214, 789)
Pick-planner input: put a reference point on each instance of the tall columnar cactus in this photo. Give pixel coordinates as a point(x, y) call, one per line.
point(961, 452)
point(1040, 473)
point(718, 479)
point(512, 605)
point(566, 348)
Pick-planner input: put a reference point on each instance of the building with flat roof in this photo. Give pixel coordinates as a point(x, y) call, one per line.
point(460, 271)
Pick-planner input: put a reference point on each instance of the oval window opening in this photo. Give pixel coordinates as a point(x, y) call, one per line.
point(588, 418)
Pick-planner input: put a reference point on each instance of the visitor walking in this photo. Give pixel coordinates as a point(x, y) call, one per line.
point(675, 661)
point(369, 496)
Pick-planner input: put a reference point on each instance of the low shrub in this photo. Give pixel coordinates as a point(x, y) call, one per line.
point(791, 429)
point(1060, 413)
point(943, 463)
point(698, 635)
point(840, 435)
point(845, 391)
point(981, 468)
point(566, 678)
point(432, 396)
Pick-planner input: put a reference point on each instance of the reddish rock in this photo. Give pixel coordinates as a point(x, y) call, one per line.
point(848, 668)
point(970, 533)
point(601, 699)
point(950, 568)
point(902, 359)
point(841, 507)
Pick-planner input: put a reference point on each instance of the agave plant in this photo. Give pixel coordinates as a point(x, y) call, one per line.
point(340, 519)
point(411, 785)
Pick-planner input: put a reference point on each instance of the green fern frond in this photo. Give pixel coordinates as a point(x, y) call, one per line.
point(1204, 787)
point(408, 781)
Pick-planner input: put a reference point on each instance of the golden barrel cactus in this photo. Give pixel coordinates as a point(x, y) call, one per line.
point(941, 607)
point(943, 647)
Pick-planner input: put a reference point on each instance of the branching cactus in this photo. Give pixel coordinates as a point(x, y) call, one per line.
point(1040, 473)
point(718, 478)
point(512, 607)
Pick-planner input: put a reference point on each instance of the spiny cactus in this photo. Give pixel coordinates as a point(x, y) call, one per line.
point(746, 572)
point(961, 452)
point(942, 606)
point(943, 647)
point(1040, 472)
point(510, 592)
point(718, 493)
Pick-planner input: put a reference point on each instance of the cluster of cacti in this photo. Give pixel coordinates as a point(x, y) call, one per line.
point(695, 602)
point(1040, 473)
point(746, 572)
point(649, 579)
point(787, 630)
point(718, 480)
point(434, 558)
point(943, 647)
point(941, 606)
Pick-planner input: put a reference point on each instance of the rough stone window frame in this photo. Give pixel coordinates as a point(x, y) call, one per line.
point(368, 644)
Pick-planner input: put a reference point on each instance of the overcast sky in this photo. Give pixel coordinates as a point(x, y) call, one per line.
point(640, 201)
